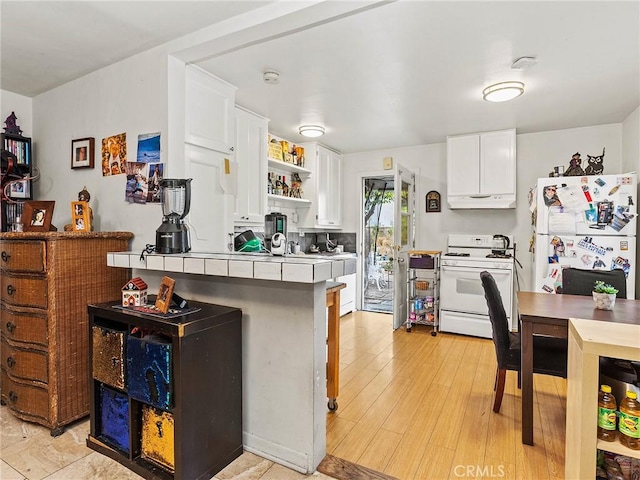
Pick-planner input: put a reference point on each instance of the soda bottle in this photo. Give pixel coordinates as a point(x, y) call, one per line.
point(629, 424)
point(606, 414)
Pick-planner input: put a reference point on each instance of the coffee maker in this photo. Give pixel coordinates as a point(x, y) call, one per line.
point(173, 235)
point(274, 223)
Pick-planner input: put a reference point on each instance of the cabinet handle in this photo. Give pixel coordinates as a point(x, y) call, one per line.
point(13, 396)
point(11, 289)
point(11, 362)
point(11, 327)
point(5, 256)
point(232, 149)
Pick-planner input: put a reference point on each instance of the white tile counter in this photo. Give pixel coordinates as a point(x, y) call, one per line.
point(288, 268)
point(284, 372)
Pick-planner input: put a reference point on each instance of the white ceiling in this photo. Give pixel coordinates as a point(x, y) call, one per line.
point(403, 73)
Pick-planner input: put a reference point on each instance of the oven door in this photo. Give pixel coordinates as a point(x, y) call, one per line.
point(461, 289)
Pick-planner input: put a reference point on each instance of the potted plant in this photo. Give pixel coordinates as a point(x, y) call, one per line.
point(604, 295)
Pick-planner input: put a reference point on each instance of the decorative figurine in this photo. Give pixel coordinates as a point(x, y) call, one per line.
point(596, 164)
point(575, 167)
point(134, 293)
point(12, 127)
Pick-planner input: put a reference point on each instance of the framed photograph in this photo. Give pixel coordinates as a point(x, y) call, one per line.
point(36, 216)
point(20, 189)
point(82, 153)
point(164, 294)
point(80, 216)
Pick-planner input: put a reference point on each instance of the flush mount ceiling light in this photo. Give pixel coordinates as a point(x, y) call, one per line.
point(501, 92)
point(311, 130)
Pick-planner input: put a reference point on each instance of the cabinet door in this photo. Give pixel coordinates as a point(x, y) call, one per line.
point(463, 170)
point(251, 157)
point(498, 162)
point(329, 188)
point(209, 217)
point(209, 111)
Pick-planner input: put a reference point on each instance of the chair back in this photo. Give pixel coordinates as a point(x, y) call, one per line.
point(498, 317)
point(576, 281)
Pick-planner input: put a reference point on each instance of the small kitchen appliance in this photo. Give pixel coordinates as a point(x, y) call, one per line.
point(500, 244)
point(172, 236)
point(274, 223)
point(278, 244)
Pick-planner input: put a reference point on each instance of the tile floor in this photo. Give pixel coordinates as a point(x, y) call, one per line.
point(28, 451)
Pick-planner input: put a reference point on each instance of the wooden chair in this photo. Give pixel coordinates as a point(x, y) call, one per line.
point(576, 281)
point(549, 355)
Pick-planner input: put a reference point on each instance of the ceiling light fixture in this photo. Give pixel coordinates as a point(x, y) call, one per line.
point(501, 92)
point(311, 130)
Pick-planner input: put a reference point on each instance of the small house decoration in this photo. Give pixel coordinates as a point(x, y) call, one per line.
point(12, 125)
point(134, 293)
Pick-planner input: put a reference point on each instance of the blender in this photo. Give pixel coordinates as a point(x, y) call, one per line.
point(173, 235)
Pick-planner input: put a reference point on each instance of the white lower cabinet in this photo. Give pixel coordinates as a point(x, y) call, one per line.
point(347, 294)
point(251, 130)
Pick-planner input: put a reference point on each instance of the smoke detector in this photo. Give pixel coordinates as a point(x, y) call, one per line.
point(524, 63)
point(271, 77)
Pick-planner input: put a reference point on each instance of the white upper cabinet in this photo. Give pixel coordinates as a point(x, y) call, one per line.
point(251, 132)
point(481, 170)
point(326, 196)
point(209, 111)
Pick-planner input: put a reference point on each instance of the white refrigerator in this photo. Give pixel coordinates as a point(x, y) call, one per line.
point(586, 222)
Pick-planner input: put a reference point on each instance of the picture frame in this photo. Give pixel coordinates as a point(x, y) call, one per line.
point(83, 152)
point(433, 203)
point(37, 215)
point(80, 216)
point(20, 188)
point(163, 300)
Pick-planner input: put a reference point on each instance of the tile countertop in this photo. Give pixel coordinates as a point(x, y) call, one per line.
point(289, 268)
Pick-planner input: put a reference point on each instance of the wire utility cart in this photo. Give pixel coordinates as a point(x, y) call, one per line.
point(423, 289)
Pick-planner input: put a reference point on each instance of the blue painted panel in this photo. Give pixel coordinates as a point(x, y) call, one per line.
point(149, 370)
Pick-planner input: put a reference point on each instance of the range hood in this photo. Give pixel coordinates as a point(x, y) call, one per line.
point(481, 201)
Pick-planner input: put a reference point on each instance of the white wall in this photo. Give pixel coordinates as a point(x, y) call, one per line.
point(631, 159)
point(22, 106)
point(537, 155)
point(130, 96)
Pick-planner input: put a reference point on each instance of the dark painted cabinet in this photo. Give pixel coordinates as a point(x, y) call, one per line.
point(166, 396)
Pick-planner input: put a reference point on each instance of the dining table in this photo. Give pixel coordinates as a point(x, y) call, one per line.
point(549, 314)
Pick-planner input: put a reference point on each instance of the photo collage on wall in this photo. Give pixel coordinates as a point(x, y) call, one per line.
point(143, 174)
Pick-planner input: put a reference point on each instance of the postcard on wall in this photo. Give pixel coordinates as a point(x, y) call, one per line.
point(154, 175)
point(136, 188)
point(149, 148)
point(114, 155)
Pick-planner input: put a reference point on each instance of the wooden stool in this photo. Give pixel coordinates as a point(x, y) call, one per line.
point(333, 343)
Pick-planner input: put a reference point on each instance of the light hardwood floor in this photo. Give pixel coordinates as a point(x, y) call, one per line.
point(415, 406)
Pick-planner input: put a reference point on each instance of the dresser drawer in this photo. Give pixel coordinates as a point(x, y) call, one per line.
point(25, 399)
point(24, 327)
point(25, 291)
point(24, 363)
point(18, 256)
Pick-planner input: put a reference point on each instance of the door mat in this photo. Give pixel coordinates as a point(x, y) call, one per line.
point(345, 470)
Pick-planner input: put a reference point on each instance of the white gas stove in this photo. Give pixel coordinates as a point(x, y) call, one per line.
point(463, 308)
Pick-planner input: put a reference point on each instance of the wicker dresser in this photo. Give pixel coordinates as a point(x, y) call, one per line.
point(48, 279)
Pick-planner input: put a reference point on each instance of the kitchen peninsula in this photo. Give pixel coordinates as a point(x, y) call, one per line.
point(283, 302)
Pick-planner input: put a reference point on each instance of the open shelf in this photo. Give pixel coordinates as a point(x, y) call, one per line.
point(617, 447)
point(288, 167)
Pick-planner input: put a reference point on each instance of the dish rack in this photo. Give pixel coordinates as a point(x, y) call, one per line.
point(423, 289)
